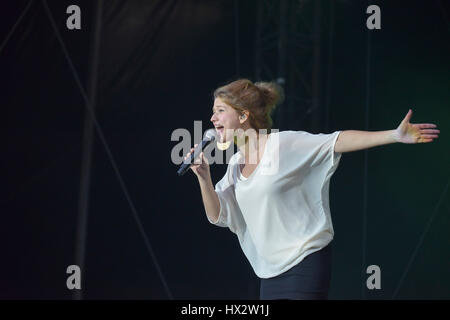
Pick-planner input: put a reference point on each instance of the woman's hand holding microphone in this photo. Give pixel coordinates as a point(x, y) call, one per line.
point(200, 165)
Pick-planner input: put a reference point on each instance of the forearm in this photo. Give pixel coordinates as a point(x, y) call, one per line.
point(210, 199)
point(354, 140)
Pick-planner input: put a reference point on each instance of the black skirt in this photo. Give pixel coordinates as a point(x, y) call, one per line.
point(308, 280)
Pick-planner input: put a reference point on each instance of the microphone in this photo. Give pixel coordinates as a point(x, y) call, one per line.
point(208, 137)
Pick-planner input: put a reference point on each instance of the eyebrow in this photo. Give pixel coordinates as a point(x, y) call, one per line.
point(220, 106)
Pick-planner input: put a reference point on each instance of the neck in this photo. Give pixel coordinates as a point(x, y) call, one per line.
point(251, 149)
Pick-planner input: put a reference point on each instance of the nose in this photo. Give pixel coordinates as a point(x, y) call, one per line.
point(213, 118)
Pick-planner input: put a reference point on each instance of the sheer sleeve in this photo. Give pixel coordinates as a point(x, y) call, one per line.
point(326, 154)
point(316, 149)
point(230, 214)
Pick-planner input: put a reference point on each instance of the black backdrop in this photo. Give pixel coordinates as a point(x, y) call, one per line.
point(159, 62)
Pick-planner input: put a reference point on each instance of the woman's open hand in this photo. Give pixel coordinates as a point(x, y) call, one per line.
point(415, 132)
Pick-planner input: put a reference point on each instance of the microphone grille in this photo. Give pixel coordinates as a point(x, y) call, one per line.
point(210, 134)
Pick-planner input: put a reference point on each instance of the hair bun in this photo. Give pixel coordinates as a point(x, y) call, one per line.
point(273, 94)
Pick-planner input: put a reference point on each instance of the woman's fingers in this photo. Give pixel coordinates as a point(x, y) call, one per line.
point(430, 131)
point(426, 125)
point(195, 163)
point(204, 158)
point(429, 136)
point(189, 153)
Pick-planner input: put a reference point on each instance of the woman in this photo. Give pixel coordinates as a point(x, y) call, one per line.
point(274, 195)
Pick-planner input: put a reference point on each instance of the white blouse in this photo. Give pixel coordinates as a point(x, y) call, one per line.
point(281, 212)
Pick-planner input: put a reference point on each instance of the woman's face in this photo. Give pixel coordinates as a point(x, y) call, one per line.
point(225, 119)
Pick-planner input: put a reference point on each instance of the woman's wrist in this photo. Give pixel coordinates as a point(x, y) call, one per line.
point(202, 179)
point(393, 136)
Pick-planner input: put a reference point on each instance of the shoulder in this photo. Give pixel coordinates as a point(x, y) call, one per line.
point(290, 136)
point(303, 140)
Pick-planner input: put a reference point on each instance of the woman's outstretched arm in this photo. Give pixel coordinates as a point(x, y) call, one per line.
point(354, 140)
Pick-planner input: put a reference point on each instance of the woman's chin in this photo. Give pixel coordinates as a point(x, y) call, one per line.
point(223, 145)
point(223, 137)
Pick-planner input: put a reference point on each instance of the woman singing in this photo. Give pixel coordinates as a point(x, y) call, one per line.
point(274, 195)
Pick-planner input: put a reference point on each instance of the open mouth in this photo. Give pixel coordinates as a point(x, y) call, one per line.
point(220, 129)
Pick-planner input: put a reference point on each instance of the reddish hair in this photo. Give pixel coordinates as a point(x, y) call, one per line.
point(259, 98)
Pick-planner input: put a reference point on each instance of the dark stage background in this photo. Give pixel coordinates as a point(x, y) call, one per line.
point(158, 63)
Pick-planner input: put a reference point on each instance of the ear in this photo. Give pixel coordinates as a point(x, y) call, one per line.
point(244, 116)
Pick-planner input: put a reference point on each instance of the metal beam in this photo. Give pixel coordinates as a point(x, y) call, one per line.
point(292, 58)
